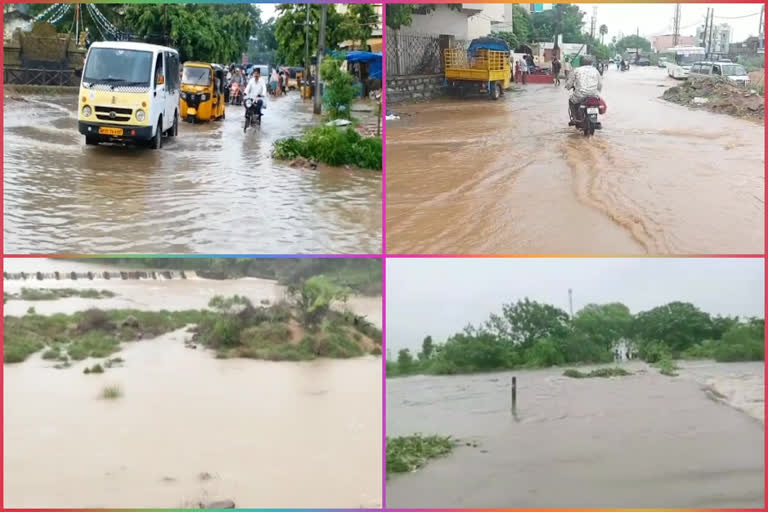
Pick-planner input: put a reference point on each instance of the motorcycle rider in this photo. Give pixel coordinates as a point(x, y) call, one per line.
point(585, 82)
point(256, 90)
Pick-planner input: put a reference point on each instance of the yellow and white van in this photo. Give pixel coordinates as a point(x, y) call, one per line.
point(129, 92)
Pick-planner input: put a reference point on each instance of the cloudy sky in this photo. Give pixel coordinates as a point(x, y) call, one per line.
point(656, 19)
point(440, 296)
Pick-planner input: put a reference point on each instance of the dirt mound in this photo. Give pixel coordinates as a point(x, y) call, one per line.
point(718, 95)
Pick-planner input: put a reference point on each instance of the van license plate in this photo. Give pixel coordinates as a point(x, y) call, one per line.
point(592, 110)
point(115, 132)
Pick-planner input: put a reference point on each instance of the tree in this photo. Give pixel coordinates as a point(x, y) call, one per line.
point(565, 19)
point(340, 89)
point(401, 15)
point(314, 297)
point(633, 41)
point(509, 37)
point(290, 31)
point(404, 359)
point(263, 45)
point(526, 321)
point(603, 324)
point(427, 348)
point(358, 25)
point(603, 33)
point(209, 33)
point(677, 325)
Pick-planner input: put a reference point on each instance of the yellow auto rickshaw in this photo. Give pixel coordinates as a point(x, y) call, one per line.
point(202, 92)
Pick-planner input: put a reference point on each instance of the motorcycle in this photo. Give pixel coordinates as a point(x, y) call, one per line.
point(586, 115)
point(625, 66)
point(235, 96)
point(253, 112)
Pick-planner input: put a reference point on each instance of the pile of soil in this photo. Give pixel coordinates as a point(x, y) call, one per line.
point(718, 95)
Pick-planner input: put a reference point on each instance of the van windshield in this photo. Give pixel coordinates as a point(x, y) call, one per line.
point(115, 66)
point(196, 76)
point(733, 70)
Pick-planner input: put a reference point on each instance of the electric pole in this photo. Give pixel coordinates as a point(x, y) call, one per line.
point(165, 24)
point(594, 23)
point(761, 29)
point(704, 35)
point(320, 51)
point(676, 25)
point(306, 49)
point(77, 24)
point(711, 29)
point(570, 301)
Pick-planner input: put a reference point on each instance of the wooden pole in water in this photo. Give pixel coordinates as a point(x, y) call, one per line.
point(514, 394)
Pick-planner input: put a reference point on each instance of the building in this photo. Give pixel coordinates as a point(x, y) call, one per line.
point(660, 44)
point(374, 44)
point(542, 52)
point(720, 38)
point(467, 23)
point(748, 48)
point(531, 8)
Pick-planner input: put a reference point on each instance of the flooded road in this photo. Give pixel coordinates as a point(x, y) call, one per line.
point(212, 190)
point(190, 428)
point(476, 176)
point(644, 441)
point(150, 295)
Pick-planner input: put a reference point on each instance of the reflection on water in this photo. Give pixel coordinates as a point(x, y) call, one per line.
point(190, 428)
point(213, 189)
point(639, 441)
point(476, 176)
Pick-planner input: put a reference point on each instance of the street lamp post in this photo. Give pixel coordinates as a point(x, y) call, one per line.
point(320, 51)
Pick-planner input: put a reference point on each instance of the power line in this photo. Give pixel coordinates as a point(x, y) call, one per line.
point(737, 17)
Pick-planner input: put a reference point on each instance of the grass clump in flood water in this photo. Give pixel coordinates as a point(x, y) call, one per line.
point(600, 372)
point(112, 392)
point(667, 367)
point(332, 146)
point(409, 453)
point(91, 333)
point(58, 293)
point(97, 368)
point(302, 329)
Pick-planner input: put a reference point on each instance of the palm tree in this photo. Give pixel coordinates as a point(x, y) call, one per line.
point(603, 32)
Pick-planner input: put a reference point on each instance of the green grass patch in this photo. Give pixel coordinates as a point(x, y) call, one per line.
point(111, 392)
point(332, 146)
point(97, 368)
point(667, 367)
point(600, 372)
point(58, 293)
point(409, 453)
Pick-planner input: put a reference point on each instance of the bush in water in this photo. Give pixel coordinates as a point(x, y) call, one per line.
point(332, 146)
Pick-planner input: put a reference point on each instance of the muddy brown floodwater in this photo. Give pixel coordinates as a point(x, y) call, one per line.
point(474, 176)
point(190, 428)
point(212, 190)
point(642, 441)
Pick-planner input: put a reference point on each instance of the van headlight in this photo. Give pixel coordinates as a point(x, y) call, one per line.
point(87, 111)
point(140, 115)
point(204, 97)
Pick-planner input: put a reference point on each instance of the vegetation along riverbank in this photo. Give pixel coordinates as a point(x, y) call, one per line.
point(302, 328)
point(359, 275)
point(529, 334)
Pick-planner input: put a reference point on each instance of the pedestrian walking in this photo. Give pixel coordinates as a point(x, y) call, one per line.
point(524, 70)
point(567, 68)
point(556, 70)
point(518, 72)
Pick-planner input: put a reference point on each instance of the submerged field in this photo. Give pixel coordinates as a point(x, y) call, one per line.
point(165, 398)
point(642, 440)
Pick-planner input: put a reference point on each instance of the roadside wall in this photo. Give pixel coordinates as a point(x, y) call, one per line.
point(415, 87)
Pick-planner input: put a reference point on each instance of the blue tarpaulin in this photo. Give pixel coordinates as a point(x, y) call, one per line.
point(488, 43)
point(373, 60)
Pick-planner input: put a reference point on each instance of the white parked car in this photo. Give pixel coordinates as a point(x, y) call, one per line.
point(734, 72)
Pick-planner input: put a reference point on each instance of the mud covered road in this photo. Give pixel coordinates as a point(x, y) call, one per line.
point(475, 176)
